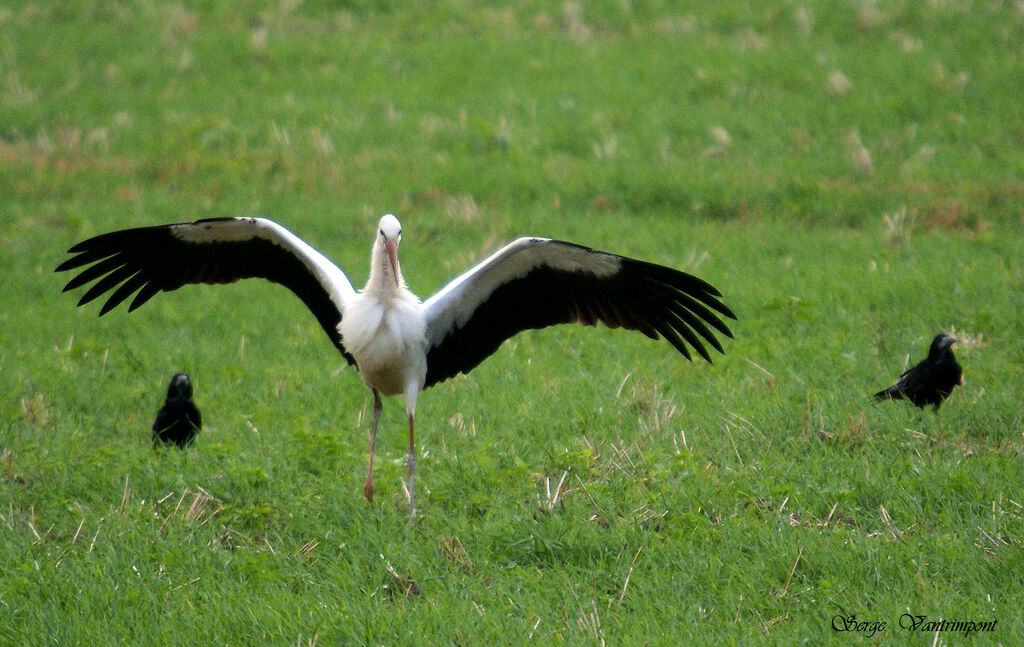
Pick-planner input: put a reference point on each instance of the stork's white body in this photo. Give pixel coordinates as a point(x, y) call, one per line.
point(386, 336)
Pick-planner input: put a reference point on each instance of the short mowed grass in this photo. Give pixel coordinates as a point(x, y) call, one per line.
point(849, 174)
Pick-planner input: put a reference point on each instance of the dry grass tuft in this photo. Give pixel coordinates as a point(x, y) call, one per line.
point(858, 154)
point(838, 83)
point(399, 584)
point(456, 552)
point(899, 224)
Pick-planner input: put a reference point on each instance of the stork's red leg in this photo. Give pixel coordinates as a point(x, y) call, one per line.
point(412, 468)
point(377, 406)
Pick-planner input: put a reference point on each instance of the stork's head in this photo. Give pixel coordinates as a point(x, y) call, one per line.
point(390, 234)
point(390, 228)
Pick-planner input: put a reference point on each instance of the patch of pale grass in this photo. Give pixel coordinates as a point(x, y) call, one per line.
point(898, 224)
point(607, 147)
point(857, 153)
point(869, 15)
point(674, 24)
point(721, 140)
point(573, 22)
point(462, 207)
point(18, 94)
point(804, 19)
point(321, 140)
point(946, 79)
point(920, 159)
point(838, 83)
point(749, 40)
point(906, 42)
point(967, 341)
point(258, 38)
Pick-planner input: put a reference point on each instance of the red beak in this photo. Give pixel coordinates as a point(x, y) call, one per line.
point(391, 247)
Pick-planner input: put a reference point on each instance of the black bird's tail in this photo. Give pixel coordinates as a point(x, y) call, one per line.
point(892, 393)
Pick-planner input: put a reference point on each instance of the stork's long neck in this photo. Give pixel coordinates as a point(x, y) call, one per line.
point(384, 279)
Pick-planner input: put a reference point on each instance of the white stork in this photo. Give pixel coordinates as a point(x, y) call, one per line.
point(400, 345)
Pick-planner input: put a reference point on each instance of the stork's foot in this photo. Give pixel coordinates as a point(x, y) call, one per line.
point(410, 501)
point(410, 485)
point(368, 489)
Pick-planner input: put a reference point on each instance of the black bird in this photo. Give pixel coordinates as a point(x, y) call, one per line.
point(179, 420)
point(932, 379)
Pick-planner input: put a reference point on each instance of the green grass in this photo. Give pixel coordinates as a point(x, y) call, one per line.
point(849, 174)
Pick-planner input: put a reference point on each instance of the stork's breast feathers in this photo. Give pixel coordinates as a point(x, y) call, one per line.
point(384, 333)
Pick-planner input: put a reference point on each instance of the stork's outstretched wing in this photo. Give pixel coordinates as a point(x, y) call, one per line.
point(538, 282)
point(148, 260)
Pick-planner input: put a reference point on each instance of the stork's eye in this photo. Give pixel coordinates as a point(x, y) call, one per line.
point(381, 233)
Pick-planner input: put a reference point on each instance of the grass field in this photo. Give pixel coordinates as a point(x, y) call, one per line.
point(849, 174)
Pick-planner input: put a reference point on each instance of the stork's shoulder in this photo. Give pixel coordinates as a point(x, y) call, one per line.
point(571, 257)
point(226, 230)
point(533, 252)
